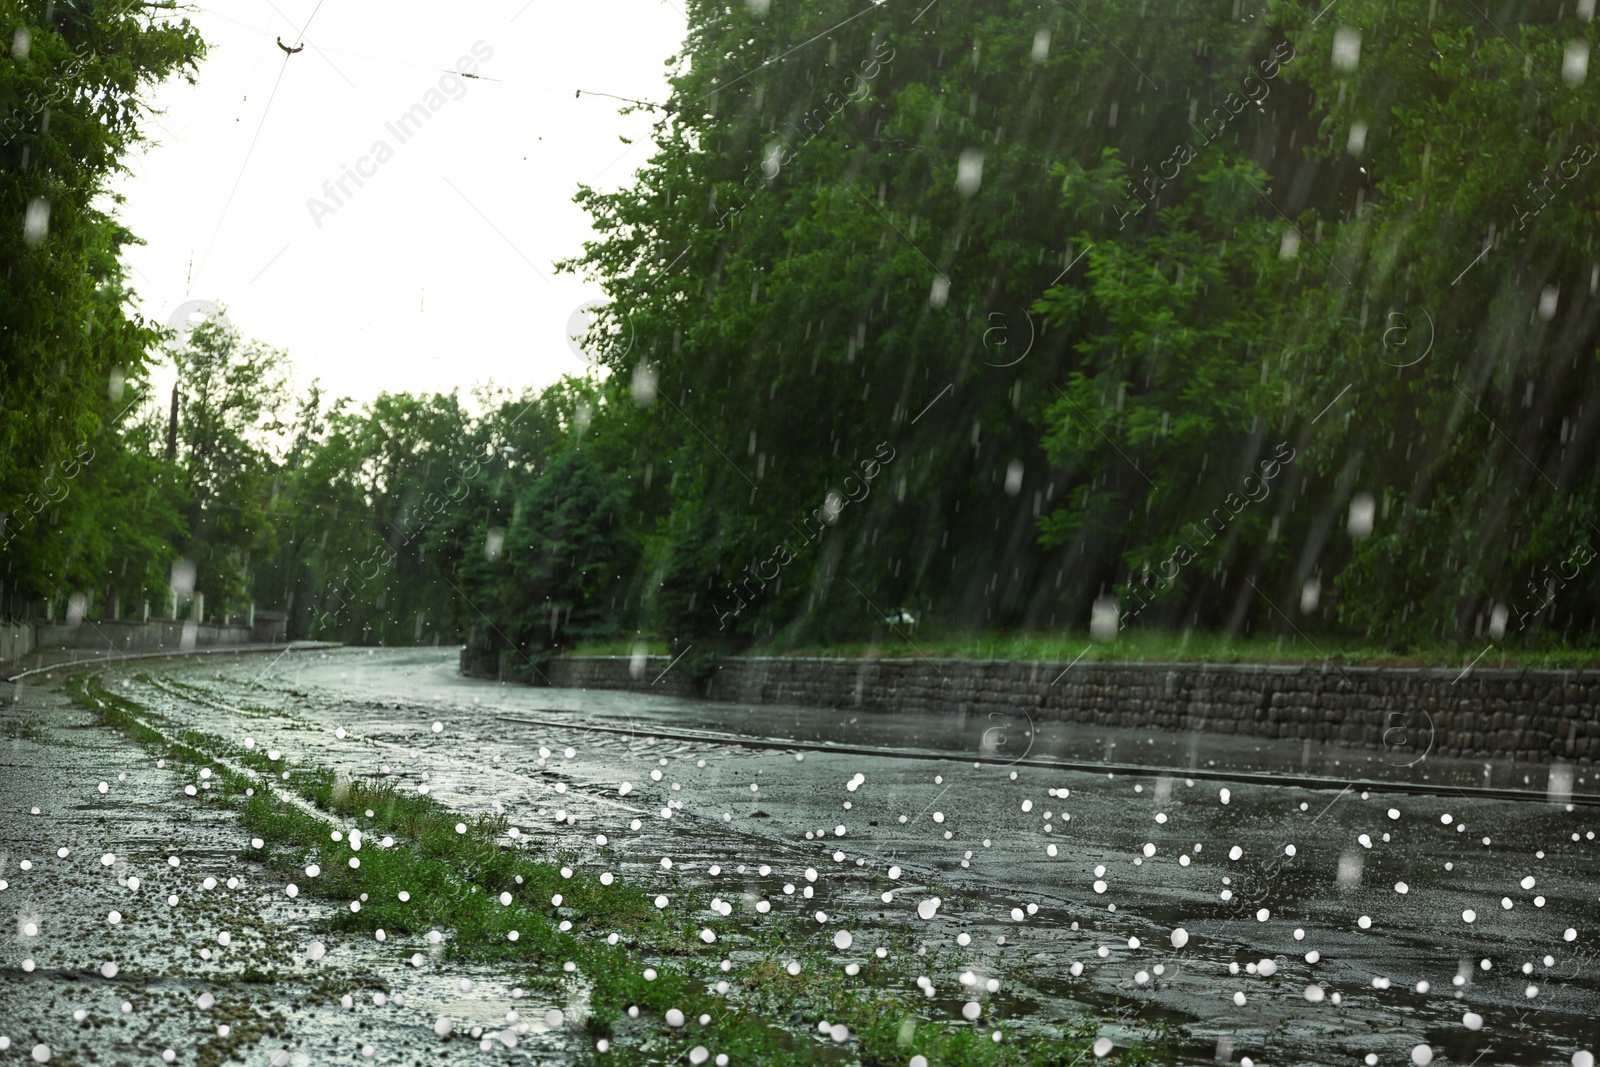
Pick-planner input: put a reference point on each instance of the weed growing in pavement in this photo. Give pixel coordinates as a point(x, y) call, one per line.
point(459, 876)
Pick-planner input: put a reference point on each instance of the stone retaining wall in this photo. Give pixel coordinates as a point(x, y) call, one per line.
point(121, 636)
point(16, 641)
point(1511, 714)
point(129, 635)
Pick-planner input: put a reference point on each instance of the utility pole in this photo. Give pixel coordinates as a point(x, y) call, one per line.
point(172, 426)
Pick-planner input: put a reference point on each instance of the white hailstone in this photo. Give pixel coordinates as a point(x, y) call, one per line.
point(1583, 1058)
point(1365, 922)
point(205, 1002)
point(1149, 849)
point(928, 907)
point(438, 727)
point(1469, 916)
point(133, 883)
point(1016, 915)
point(1394, 813)
point(404, 896)
point(661, 902)
point(1238, 999)
point(698, 1055)
point(606, 878)
point(1366, 842)
point(1528, 882)
point(938, 816)
point(894, 872)
point(649, 974)
point(1099, 887)
point(443, 1025)
point(224, 938)
point(1422, 1055)
point(291, 890)
point(108, 969)
point(1103, 1047)
point(1180, 937)
point(842, 940)
point(1570, 935)
point(971, 1010)
point(107, 860)
point(1225, 796)
point(114, 918)
point(708, 935)
point(1401, 888)
point(1472, 1021)
point(313, 870)
point(1267, 968)
point(1505, 902)
point(505, 899)
point(1314, 994)
point(674, 1017)
point(316, 950)
point(256, 842)
point(1049, 850)
point(41, 1053)
point(763, 906)
point(1133, 942)
point(1235, 852)
point(919, 1061)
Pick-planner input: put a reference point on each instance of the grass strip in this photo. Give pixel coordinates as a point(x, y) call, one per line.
point(1136, 645)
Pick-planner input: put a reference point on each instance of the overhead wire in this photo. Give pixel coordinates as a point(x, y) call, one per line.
point(244, 166)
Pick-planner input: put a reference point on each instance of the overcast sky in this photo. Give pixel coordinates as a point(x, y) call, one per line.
point(436, 271)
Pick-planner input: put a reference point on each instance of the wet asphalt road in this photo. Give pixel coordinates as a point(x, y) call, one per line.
point(1363, 923)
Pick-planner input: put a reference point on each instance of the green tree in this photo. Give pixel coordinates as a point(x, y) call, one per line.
point(72, 93)
point(231, 395)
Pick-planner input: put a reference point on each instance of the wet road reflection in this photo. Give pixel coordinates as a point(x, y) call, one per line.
point(1213, 919)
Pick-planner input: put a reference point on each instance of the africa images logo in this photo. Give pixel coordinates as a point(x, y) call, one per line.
point(406, 126)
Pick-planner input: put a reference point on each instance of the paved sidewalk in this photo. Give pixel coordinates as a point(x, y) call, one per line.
point(119, 955)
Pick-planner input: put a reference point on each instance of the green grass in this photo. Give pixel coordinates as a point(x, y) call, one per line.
point(1136, 645)
point(455, 879)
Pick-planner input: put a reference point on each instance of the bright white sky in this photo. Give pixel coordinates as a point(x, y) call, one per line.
point(437, 272)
